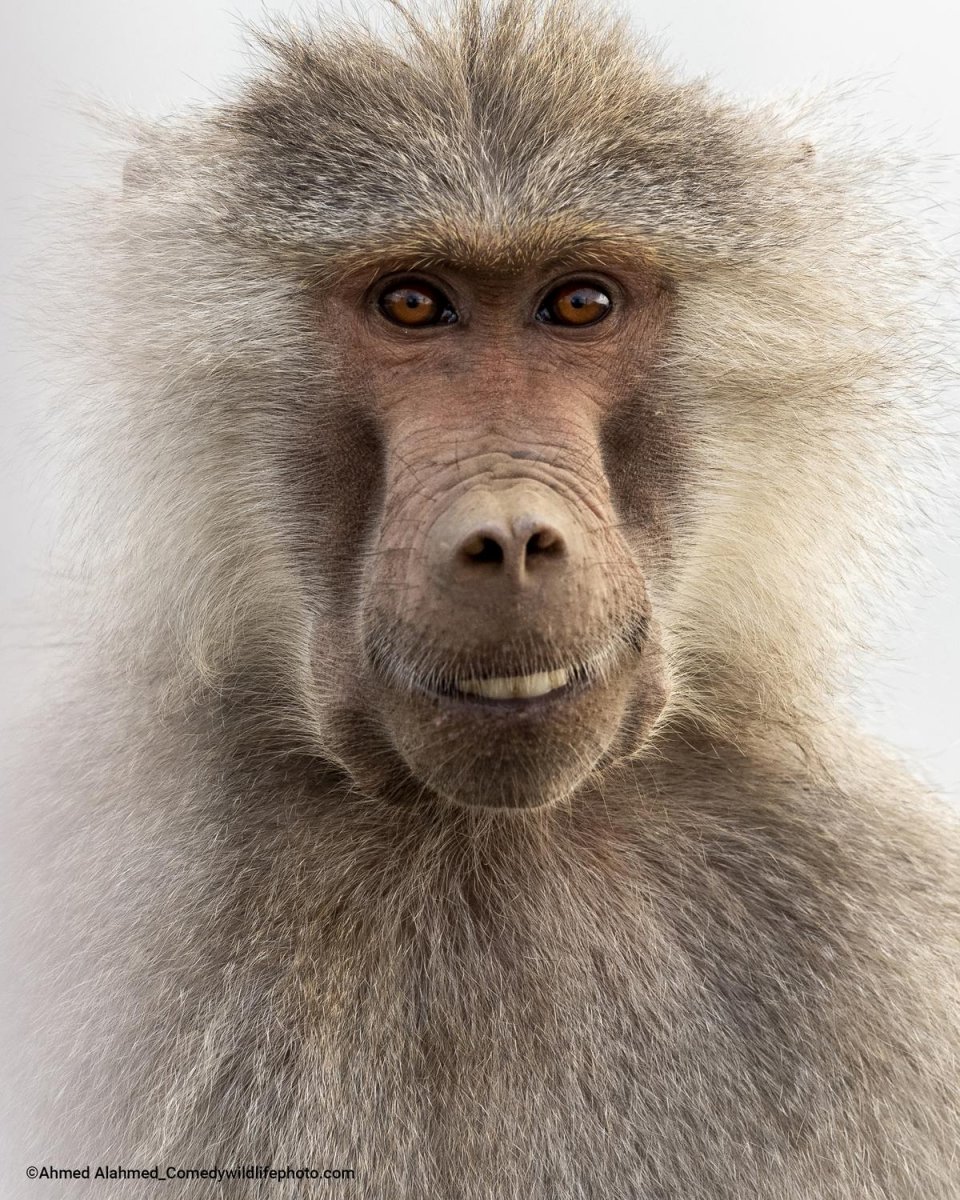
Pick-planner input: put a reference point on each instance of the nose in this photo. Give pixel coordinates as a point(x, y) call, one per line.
point(515, 545)
point(493, 540)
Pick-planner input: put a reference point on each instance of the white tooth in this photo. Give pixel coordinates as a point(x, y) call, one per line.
point(526, 686)
point(519, 687)
point(492, 689)
point(497, 689)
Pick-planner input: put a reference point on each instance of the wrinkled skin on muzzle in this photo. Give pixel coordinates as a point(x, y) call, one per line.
point(505, 644)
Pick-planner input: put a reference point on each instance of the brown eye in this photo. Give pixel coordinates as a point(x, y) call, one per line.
point(415, 303)
point(575, 304)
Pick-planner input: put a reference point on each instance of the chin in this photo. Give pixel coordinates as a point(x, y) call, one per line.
point(521, 741)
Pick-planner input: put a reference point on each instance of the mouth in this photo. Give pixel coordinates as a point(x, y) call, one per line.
point(518, 687)
point(504, 693)
point(469, 685)
point(516, 693)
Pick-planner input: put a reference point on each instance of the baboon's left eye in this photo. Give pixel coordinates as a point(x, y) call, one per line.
point(575, 304)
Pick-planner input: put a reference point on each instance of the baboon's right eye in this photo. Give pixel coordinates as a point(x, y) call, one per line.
point(416, 303)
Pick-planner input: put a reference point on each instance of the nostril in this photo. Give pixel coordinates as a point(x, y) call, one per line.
point(545, 542)
point(522, 544)
point(482, 548)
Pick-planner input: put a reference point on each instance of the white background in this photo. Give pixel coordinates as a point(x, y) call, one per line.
point(157, 55)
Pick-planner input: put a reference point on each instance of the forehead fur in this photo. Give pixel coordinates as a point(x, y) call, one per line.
point(500, 137)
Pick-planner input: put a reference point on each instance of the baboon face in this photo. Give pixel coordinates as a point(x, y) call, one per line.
point(465, 397)
point(501, 637)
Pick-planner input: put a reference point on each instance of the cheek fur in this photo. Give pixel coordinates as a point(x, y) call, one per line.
point(333, 481)
point(644, 444)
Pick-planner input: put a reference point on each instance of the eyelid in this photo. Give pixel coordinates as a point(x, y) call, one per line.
point(398, 279)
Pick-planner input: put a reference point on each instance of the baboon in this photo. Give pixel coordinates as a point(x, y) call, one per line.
point(492, 440)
